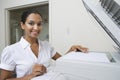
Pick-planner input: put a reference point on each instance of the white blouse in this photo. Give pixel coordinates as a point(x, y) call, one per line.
point(20, 58)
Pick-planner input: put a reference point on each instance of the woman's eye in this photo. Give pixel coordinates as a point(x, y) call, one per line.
point(31, 23)
point(39, 24)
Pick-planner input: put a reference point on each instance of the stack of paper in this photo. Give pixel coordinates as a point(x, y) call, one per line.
point(90, 56)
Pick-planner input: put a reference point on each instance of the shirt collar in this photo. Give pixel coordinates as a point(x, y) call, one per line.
point(25, 43)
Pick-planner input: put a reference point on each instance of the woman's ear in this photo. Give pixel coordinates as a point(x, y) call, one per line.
point(22, 25)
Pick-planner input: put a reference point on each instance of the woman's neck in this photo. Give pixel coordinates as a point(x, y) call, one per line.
point(31, 40)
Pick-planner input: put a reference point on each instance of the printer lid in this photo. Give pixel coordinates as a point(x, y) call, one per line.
point(107, 14)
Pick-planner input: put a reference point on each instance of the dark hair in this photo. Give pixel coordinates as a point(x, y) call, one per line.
point(26, 13)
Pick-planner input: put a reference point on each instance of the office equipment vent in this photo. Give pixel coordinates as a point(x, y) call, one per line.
point(112, 9)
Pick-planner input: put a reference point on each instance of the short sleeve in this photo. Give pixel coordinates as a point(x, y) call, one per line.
point(7, 61)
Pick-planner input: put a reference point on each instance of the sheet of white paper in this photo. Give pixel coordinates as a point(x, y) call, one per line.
point(48, 76)
point(90, 56)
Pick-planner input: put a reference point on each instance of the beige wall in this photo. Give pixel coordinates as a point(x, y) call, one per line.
point(74, 25)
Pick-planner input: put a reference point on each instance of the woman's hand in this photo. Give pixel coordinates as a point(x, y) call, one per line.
point(78, 48)
point(38, 69)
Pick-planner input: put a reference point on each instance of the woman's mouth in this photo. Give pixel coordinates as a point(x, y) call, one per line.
point(35, 32)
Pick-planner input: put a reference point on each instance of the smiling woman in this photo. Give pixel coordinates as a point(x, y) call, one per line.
point(14, 29)
point(30, 57)
point(32, 24)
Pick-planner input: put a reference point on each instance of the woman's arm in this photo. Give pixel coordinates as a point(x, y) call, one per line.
point(78, 48)
point(37, 70)
point(73, 48)
point(5, 74)
point(8, 75)
point(56, 56)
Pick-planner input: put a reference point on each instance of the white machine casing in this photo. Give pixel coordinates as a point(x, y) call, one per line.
point(86, 70)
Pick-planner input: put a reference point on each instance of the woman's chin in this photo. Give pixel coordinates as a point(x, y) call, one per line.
point(34, 36)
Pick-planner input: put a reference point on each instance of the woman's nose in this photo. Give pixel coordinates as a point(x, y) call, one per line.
point(35, 26)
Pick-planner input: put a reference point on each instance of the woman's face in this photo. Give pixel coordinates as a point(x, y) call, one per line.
point(32, 26)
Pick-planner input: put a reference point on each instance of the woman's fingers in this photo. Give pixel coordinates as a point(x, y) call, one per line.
point(39, 69)
point(82, 49)
point(85, 50)
point(44, 69)
point(78, 48)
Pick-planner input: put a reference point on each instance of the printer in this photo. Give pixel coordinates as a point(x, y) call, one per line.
point(75, 68)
